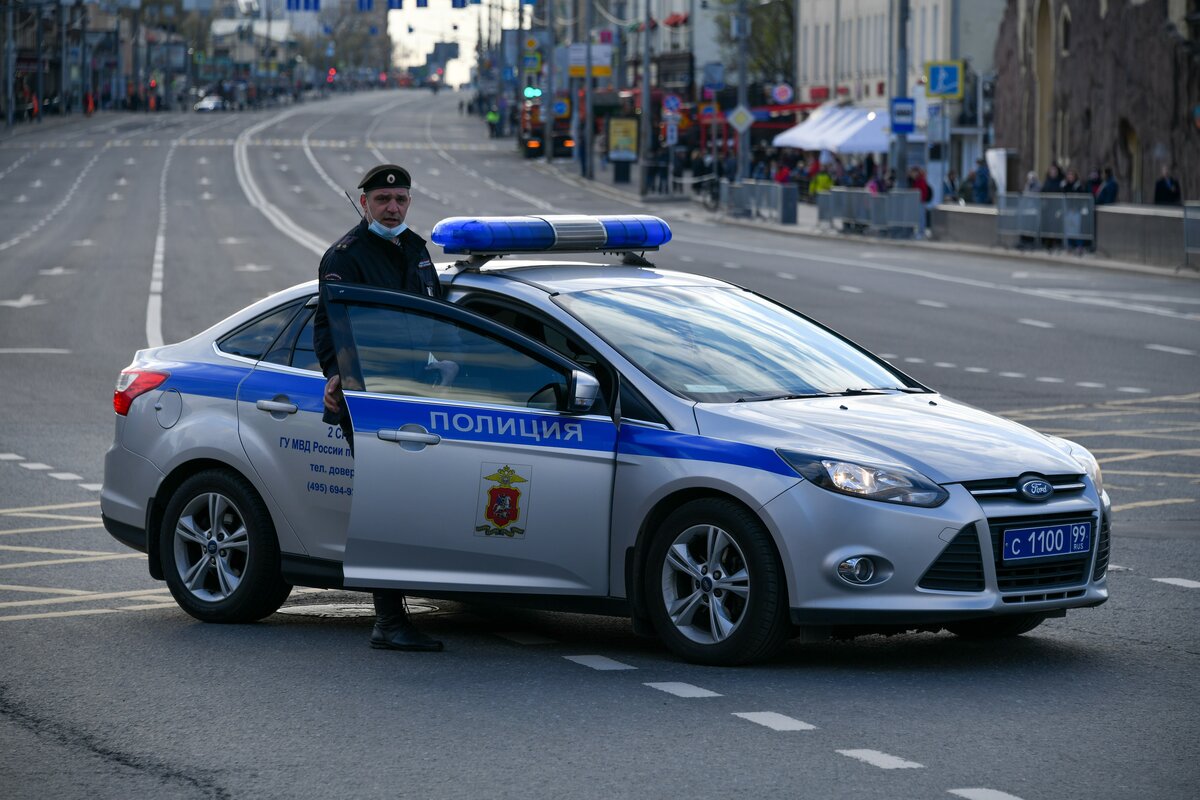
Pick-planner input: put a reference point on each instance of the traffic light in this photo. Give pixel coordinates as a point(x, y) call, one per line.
point(531, 92)
point(332, 74)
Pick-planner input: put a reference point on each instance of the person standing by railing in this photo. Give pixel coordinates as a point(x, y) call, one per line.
point(1166, 189)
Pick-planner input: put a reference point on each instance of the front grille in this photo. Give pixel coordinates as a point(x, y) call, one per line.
point(960, 566)
point(1064, 486)
point(1068, 570)
point(1102, 548)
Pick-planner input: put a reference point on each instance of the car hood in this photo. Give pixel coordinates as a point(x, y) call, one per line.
point(947, 441)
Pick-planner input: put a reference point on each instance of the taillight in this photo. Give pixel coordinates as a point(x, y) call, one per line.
point(133, 382)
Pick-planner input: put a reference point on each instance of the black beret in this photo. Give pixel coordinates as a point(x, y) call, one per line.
point(386, 176)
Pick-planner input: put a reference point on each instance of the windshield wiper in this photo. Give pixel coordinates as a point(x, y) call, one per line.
point(768, 397)
point(882, 389)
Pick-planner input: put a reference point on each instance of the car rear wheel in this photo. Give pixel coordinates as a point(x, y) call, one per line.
point(218, 550)
point(714, 586)
point(997, 628)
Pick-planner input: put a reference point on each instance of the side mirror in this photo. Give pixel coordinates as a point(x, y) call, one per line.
point(582, 392)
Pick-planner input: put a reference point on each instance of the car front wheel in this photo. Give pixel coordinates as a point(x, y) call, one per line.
point(714, 587)
point(218, 550)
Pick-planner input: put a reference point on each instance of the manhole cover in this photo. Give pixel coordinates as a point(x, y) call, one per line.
point(347, 609)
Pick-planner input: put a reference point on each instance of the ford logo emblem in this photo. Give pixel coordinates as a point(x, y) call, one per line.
point(1035, 490)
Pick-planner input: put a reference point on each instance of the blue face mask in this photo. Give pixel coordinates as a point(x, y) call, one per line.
point(376, 227)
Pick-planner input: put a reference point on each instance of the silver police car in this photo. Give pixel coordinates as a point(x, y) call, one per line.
point(618, 439)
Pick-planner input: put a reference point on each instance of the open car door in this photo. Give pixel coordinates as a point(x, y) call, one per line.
point(484, 475)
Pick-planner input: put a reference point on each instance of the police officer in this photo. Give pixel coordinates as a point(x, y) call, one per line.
point(380, 251)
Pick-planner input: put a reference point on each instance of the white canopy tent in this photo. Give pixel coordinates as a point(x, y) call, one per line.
point(841, 129)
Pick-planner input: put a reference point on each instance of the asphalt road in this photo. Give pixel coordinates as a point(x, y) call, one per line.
point(122, 230)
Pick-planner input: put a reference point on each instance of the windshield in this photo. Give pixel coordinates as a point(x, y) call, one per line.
point(721, 345)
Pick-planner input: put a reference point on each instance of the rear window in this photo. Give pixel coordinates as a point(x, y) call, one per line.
point(254, 339)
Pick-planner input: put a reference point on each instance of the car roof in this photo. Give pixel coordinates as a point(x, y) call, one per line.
point(565, 277)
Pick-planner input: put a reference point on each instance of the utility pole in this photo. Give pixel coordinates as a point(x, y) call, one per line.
point(901, 162)
point(743, 90)
point(588, 125)
point(10, 63)
point(548, 100)
point(647, 112)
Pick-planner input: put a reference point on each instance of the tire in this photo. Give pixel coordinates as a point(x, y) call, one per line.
point(739, 616)
point(227, 572)
point(1004, 627)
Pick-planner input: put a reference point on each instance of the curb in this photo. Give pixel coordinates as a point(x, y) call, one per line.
point(695, 210)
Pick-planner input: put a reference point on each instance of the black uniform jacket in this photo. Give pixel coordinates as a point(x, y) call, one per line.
point(363, 257)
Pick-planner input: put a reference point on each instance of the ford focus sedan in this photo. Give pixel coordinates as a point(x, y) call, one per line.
point(617, 438)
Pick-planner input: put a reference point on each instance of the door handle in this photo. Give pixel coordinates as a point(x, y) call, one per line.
point(419, 437)
point(276, 407)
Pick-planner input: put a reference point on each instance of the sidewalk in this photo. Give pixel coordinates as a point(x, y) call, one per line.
point(689, 208)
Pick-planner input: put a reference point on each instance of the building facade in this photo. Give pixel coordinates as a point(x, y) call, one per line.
point(1090, 84)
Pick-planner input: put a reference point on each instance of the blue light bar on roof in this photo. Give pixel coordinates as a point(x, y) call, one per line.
point(548, 234)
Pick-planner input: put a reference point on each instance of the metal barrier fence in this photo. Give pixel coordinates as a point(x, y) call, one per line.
point(895, 213)
point(1191, 232)
point(1066, 218)
point(765, 200)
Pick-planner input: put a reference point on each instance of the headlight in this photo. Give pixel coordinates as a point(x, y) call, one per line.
point(1084, 458)
point(890, 484)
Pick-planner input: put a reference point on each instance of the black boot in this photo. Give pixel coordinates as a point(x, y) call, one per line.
point(393, 629)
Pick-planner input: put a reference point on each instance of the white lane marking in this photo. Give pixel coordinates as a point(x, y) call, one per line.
point(149, 594)
point(27, 509)
point(881, 760)
point(273, 214)
point(850, 289)
point(1036, 323)
point(13, 587)
point(888, 356)
point(978, 370)
point(207, 196)
point(55, 561)
point(1011, 374)
point(230, 240)
point(83, 243)
point(1050, 380)
point(24, 301)
point(1132, 390)
point(598, 662)
point(1089, 385)
point(776, 722)
point(787, 276)
point(932, 304)
point(67, 195)
point(686, 259)
point(1170, 501)
point(15, 531)
point(1184, 582)
point(253, 268)
point(66, 476)
point(913, 360)
point(54, 551)
point(982, 794)
point(91, 487)
point(57, 271)
point(35, 465)
point(520, 637)
point(205, 182)
point(37, 351)
point(1061, 296)
point(114, 196)
point(15, 164)
point(11, 457)
point(731, 265)
point(945, 365)
point(1166, 348)
point(682, 689)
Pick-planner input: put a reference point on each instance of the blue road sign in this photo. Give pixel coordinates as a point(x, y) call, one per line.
point(944, 79)
point(903, 110)
point(560, 108)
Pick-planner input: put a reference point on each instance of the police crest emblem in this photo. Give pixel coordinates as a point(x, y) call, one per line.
point(504, 500)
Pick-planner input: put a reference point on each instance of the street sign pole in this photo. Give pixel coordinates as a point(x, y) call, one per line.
point(744, 136)
point(548, 98)
point(588, 126)
point(647, 112)
point(901, 163)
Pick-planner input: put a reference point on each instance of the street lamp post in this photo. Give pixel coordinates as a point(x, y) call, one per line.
point(548, 100)
point(588, 125)
point(743, 93)
point(647, 113)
